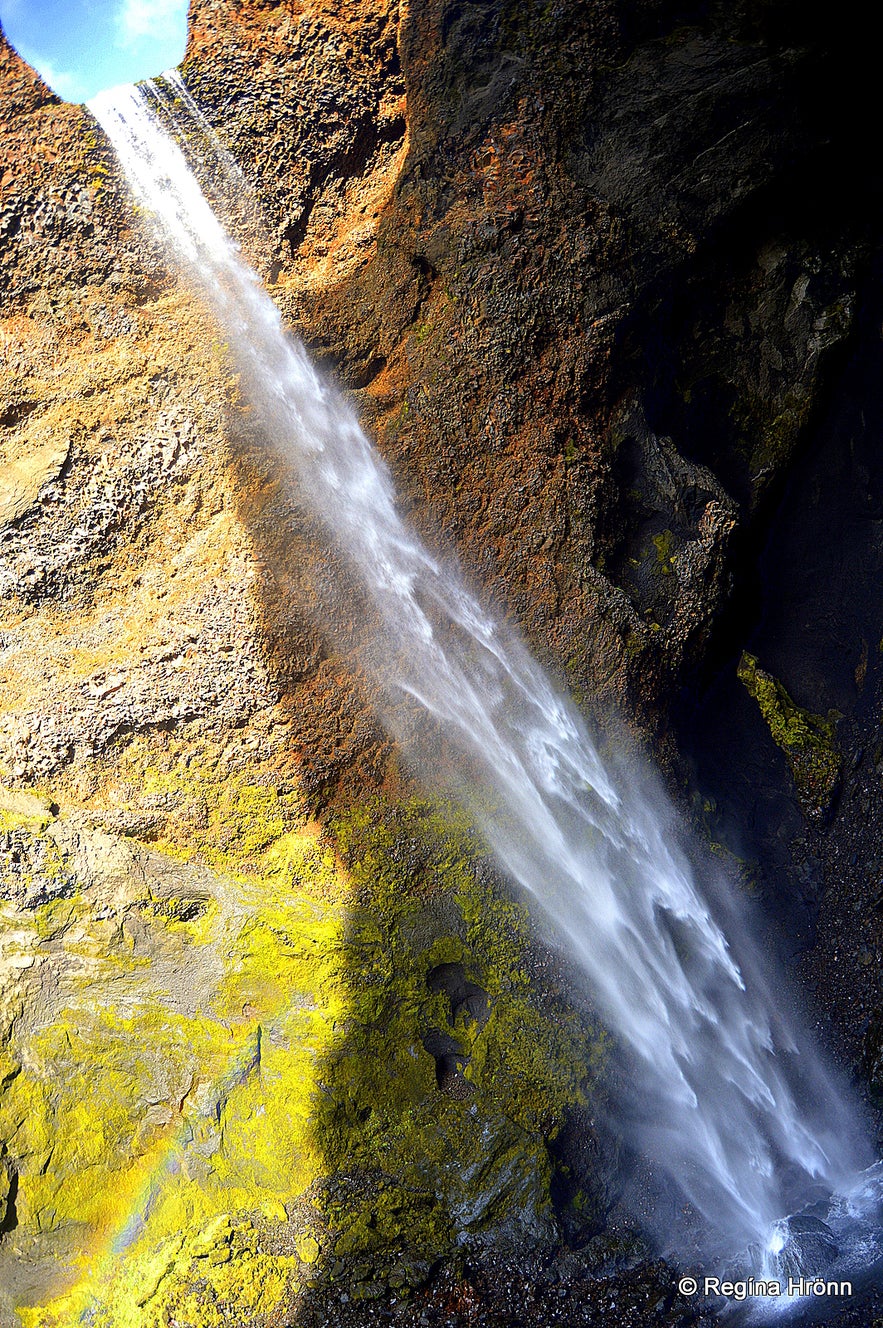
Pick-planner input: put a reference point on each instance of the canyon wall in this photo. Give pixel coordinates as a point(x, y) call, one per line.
point(271, 1025)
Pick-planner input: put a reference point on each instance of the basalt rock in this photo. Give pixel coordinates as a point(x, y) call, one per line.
point(480, 215)
point(269, 1023)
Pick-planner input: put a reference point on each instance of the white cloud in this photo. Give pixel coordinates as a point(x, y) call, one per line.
point(69, 86)
point(138, 19)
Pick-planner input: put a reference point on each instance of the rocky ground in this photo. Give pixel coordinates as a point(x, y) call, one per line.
point(600, 279)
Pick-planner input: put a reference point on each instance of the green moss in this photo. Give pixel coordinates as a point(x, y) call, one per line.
point(443, 1166)
point(173, 1129)
point(806, 739)
point(663, 543)
point(229, 819)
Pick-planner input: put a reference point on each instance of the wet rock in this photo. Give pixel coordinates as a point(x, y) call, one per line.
point(468, 1000)
point(810, 1248)
point(450, 1060)
point(586, 1183)
point(674, 523)
point(872, 1055)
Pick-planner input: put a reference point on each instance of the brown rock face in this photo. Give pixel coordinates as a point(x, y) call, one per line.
point(484, 260)
point(472, 214)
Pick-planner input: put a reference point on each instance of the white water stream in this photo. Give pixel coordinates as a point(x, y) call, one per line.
point(723, 1091)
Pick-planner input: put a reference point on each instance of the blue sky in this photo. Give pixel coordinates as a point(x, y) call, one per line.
point(83, 46)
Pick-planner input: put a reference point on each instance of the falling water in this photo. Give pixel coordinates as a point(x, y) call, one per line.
point(724, 1090)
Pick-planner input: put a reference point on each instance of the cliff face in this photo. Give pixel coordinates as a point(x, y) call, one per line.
point(476, 220)
point(561, 177)
point(267, 1020)
point(240, 1050)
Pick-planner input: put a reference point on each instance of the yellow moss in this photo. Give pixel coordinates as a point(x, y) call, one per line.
point(663, 544)
point(213, 1278)
point(303, 860)
point(138, 1125)
point(17, 821)
point(157, 1123)
point(307, 1249)
point(243, 820)
point(806, 739)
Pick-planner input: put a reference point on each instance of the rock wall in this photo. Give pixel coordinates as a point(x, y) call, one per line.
point(271, 1026)
point(490, 260)
point(244, 1054)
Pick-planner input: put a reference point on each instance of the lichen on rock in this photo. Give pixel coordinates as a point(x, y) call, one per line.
point(807, 740)
point(219, 1088)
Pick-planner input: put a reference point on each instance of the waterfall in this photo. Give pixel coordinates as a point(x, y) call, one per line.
point(722, 1088)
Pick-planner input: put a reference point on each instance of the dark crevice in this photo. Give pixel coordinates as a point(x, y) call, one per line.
point(449, 1056)
point(687, 396)
point(466, 998)
point(10, 1218)
point(806, 605)
point(743, 611)
point(15, 413)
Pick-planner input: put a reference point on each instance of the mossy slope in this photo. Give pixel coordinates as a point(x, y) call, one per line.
point(216, 1088)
